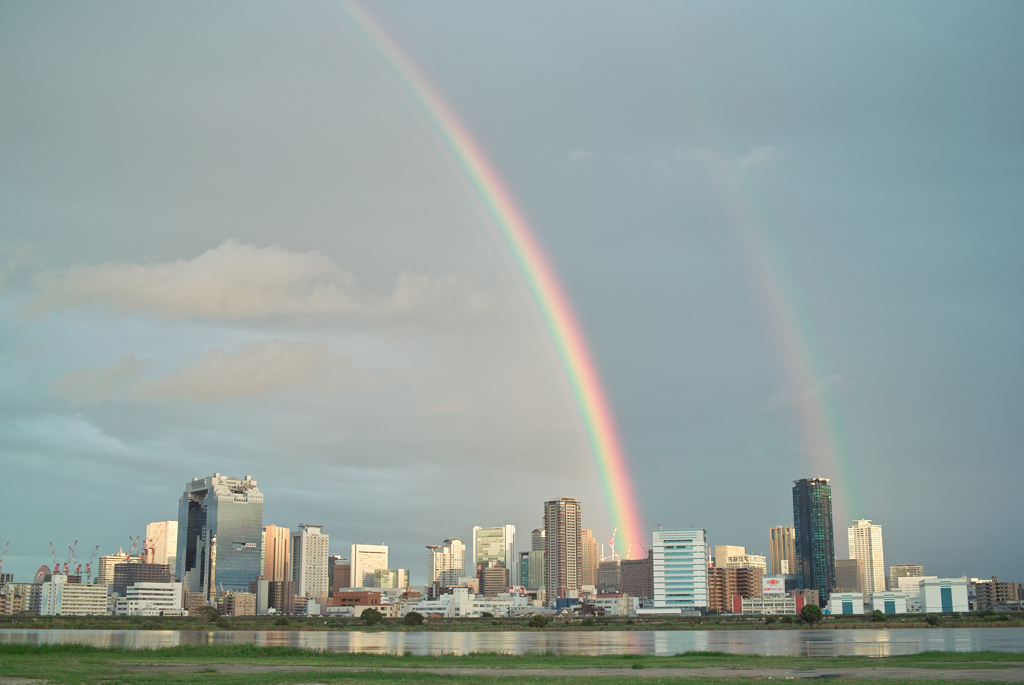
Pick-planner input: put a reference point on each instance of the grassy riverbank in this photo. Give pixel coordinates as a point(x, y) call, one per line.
point(263, 623)
point(249, 664)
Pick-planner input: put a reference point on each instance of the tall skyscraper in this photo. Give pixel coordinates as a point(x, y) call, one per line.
point(162, 543)
point(563, 552)
point(537, 537)
point(588, 566)
point(815, 547)
point(365, 560)
point(220, 530)
point(446, 562)
point(339, 573)
point(309, 561)
point(782, 550)
point(494, 545)
point(681, 569)
point(866, 544)
point(277, 564)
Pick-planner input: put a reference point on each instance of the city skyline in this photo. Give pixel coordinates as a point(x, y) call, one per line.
point(787, 240)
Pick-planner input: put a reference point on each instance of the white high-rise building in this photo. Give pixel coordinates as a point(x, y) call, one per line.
point(309, 561)
point(681, 569)
point(365, 560)
point(494, 544)
point(162, 543)
point(562, 556)
point(447, 562)
point(866, 545)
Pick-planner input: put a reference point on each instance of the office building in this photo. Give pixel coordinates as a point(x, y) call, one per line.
point(393, 578)
point(309, 561)
point(531, 570)
point(493, 545)
point(161, 544)
point(846, 603)
point(723, 552)
point(563, 550)
point(636, 577)
point(782, 549)
point(815, 545)
point(865, 540)
point(339, 573)
point(281, 596)
point(494, 579)
point(849, 575)
point(446, 563)
point(609, 576)
point(105, 575)
point(365, 560)
point(233, 509)
point(680, 570)
point(887, 602)
point(726, 583)
point(238, 604)
point(537, 540)
point(277, 558)
point(127, 575)
point(151, 599)
point(58, 597)
point(744, 560)
point(943, 595)
point(903, 571)
point(588, 567)
point(990, 593)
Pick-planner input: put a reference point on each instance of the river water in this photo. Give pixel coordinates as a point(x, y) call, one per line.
point(663, 643)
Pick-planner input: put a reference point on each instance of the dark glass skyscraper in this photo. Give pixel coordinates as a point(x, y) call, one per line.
point(815, 547)
point(220, 530)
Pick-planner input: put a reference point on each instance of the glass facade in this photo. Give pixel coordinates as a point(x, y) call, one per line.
point(815, 546)
point(680, 569)
point(229, 511)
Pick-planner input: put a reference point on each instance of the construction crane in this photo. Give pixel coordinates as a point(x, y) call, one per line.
point(56, 564)
point(88, 565)
point(135, 545)
point(72, 561)
point(4, 554)
point(614, 555)
point(71, 555)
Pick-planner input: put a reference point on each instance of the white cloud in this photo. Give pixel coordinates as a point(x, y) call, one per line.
point(240, 281)
point(791, 396)
point(85, 386)
point(760, 156)
point(257, 368)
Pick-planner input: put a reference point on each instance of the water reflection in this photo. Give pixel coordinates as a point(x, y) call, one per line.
point(664, 643)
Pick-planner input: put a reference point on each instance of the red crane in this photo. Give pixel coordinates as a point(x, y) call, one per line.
point(56, 564)
point(88, 565)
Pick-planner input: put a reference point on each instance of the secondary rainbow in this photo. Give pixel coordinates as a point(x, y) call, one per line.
point(537, 271)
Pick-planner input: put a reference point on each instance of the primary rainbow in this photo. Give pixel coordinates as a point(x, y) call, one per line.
point(537, 271)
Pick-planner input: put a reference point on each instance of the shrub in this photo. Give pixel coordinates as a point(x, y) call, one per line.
point(787, 619)
point(283, 621)
point(414, 618)
point(538, 621)
point(877, 616)
point(589, 621)
point(933, 620)
point(487, 614)
point(371, 616)
point(810, 614)
point(770, 621)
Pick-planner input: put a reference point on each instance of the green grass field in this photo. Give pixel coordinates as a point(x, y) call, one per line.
point(250, 664)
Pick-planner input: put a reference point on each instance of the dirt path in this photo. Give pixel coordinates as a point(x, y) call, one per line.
point(1001, 675)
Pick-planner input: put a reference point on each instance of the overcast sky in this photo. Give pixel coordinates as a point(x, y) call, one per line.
point(231, 242)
